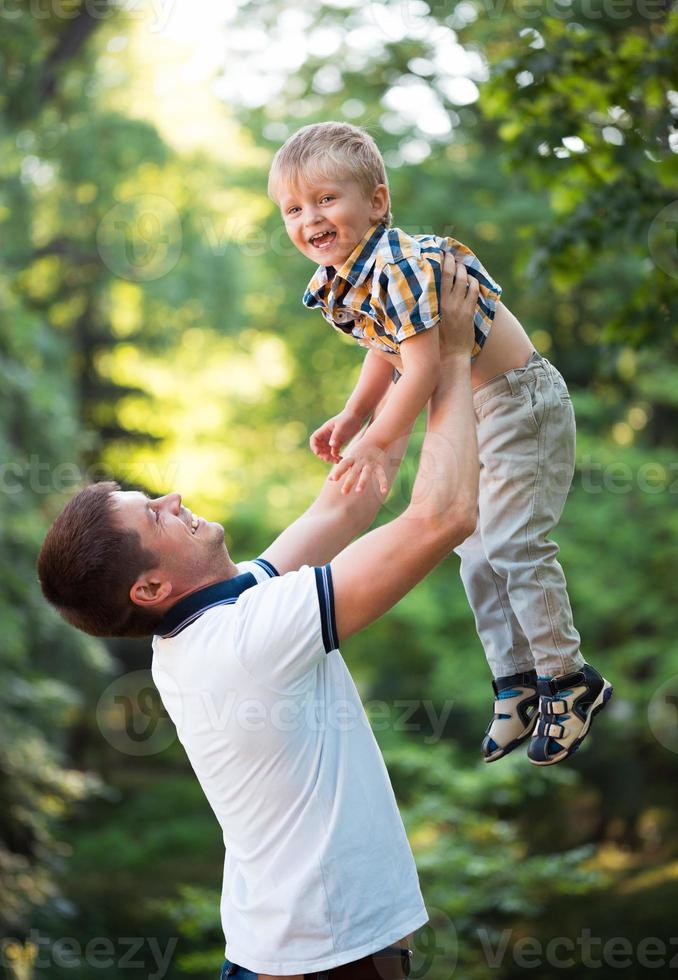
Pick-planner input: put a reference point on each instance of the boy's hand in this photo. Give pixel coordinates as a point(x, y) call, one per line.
point(457, 307)
point(333, 434)
point(365, 461)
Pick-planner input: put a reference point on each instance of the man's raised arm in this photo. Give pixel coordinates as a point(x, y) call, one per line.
point(334, 519)
point(376, 571)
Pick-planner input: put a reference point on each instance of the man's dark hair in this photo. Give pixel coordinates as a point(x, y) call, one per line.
point(87, 566)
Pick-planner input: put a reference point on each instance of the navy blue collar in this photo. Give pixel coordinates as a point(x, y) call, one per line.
point(191, 607)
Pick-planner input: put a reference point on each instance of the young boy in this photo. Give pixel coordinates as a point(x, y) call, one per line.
point(382, 286)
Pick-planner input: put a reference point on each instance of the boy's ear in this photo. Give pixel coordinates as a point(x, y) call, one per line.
point(379, 202)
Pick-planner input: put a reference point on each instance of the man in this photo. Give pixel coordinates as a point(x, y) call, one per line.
point(319, 878)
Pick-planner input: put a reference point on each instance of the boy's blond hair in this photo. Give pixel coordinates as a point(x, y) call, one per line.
point(329, 150)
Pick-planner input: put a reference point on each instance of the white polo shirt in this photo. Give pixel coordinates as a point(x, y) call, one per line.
point(318, 869)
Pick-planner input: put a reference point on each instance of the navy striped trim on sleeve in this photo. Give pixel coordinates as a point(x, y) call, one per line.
point(266, 565)
point(323, 583)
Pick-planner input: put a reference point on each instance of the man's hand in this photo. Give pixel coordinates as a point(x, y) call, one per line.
point(458, 297)
point(327, 441)
point(363, 461)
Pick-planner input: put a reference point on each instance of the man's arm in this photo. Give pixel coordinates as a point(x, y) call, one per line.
point(375, 572)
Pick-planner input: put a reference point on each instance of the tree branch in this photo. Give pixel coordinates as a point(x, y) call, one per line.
point(71, 41)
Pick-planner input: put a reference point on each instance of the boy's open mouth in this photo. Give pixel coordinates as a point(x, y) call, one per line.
point(322, 239)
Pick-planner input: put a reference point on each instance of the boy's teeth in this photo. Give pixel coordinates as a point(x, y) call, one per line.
point(322, 239)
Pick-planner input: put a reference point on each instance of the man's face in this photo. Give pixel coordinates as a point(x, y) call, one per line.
point(190, 552)
point(327, 219)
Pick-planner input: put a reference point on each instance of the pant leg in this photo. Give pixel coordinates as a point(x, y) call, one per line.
point(506, 647)
point(233, 970)
point(526, 435)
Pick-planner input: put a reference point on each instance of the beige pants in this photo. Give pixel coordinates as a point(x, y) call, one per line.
point(514, 582)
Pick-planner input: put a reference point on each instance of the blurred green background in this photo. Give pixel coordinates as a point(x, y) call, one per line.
point(151, 330)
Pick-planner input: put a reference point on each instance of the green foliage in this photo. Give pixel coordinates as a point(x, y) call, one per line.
point(177, 354)
point(45, 670)
point(583, 108)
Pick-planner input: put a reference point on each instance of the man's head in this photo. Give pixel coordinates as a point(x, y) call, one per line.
point(113, 562)
point(330, 184)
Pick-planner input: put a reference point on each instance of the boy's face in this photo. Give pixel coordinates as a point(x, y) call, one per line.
point(327, 219)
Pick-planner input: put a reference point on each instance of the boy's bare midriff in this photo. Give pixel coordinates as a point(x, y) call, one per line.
point(404, 942)
point(506, 347)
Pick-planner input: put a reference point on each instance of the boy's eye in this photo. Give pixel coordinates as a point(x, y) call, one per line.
point(327, 197)
point(293, 208)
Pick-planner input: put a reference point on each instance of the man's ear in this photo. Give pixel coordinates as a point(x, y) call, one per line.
point(150, 590)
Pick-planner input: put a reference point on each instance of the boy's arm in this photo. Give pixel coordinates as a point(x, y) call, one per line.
point(375, 377)
point(372, 385)
point(331, 522)
point(421, 372)
point(377, 570)
point(334, 519)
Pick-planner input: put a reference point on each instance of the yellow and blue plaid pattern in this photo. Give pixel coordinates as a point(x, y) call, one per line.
point(388, 289)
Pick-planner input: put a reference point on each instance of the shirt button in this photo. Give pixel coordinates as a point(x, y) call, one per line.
point(343, 316)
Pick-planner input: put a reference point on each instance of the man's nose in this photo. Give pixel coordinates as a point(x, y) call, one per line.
point(173, 501)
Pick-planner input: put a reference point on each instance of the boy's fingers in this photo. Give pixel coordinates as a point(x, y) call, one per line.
point(348, 483)
point(364, 477)
point(380, 473)
point(341, 468)
point(319, 437)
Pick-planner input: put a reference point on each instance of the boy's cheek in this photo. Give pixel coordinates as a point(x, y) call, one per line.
point(294, 237)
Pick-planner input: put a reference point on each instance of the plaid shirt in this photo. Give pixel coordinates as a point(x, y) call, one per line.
point(388, 289)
